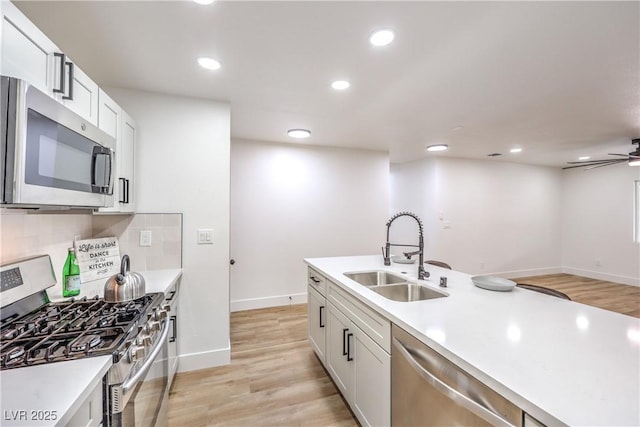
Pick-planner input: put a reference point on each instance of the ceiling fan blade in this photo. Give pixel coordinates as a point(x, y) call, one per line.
point(594, 164)
point(605, 164)
point(590, 162)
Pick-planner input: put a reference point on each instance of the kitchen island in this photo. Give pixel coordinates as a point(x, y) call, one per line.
point(69, 392)
point(560, 361)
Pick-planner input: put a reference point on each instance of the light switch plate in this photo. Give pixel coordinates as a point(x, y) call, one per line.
point(145, 238)
point(205, 236)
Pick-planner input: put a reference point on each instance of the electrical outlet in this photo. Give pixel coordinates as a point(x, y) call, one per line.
point(145, 238)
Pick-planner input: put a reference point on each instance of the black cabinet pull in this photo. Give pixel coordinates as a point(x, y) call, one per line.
point(123, 190)
point(172, 294)
point(126, 200)
point(70, 96)
point(344, 341)
point(321, 308)
point(174, 320)
point(63, 61)
point(315, 279)
point(349, 358)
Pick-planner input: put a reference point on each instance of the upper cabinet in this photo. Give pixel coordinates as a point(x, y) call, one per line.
point(28, 54)
point(117, 123)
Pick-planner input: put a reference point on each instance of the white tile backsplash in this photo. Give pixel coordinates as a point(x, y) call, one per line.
point(24, 234)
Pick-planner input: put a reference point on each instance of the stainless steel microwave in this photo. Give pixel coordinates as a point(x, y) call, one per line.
point(50, 156)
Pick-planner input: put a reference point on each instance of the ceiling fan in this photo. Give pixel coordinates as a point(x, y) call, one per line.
point(633, 158)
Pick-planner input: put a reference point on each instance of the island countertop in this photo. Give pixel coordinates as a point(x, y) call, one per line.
point(561, 361)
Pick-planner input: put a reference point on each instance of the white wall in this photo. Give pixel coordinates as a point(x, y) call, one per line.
point(597, 224)
point(292, 201)
point(503, 217)
point(182, 165)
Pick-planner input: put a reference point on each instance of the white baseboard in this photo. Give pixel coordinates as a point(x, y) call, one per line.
point(265, 302)
point(598, 275)
point(203, 360)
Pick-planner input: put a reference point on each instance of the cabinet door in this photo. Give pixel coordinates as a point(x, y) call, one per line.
point(371, 397)
point(26, 52)
point(317, 315)
point(81, 93)
point(126, 160)
point(340, 350)
point(110, 121)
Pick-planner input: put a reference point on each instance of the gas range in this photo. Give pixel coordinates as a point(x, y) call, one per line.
point(35, 331)
point(73, 329)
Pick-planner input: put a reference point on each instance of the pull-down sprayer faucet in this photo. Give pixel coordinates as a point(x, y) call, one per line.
point(422, 273)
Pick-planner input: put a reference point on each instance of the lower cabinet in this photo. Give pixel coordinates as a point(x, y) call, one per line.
point(352, 341)
point(171, 299)
point(360, 368)
point(90, 412)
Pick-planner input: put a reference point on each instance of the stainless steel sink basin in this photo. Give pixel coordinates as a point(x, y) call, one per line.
point(375, 278)
point(406, 292)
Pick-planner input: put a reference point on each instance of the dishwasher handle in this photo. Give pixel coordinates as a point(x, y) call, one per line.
point(455, 395)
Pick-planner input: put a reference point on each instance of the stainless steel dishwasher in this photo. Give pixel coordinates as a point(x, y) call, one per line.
point(429, 390)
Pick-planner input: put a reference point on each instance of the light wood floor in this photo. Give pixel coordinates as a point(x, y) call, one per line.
point(610, 296)
point(274, 378)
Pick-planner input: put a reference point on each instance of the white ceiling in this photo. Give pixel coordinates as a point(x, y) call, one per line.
point(559, 79)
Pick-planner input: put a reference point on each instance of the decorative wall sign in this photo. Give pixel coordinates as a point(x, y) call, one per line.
point(98, 258)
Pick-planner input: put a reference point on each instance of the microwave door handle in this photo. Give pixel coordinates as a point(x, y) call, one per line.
point(105, 182)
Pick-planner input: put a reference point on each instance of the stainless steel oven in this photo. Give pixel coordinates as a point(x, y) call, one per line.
point(138, 384)
point(50, 156)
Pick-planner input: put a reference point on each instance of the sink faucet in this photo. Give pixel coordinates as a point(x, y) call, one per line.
point(422, 273)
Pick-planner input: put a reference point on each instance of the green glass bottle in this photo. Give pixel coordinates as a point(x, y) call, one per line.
point(71, 275)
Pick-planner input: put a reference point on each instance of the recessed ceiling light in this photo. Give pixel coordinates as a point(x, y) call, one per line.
point(299, 133)
point(381, 38)
point(204, 1)
point(437, 147)
point(209, 63)
point(457, 128)
point(584, 157)
point(340, 84)
point(515, 150)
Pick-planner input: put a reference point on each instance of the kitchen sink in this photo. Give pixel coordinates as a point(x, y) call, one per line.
point(375, 278)
point(407, 292)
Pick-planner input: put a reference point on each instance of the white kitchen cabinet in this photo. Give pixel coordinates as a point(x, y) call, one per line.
point(28, 54)
point(81, 93)
point(317, 317)
point(91, 411)
point(117, 123)
point(356, 354)
point(317, 312)
point(171, 299)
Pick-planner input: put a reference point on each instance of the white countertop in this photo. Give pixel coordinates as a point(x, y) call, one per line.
point(155, 281)
point(55, 390)
point(560, 361)
point(63, 386)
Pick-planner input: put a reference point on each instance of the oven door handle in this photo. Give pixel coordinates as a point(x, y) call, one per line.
point(131, 382)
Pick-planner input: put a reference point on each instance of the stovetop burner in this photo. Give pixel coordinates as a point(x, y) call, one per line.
point(70, 330)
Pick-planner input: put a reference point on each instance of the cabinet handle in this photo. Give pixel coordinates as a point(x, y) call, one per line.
point(124, 189)
point(174, 325)
point(126, 200)
point(349, 358)
point(63, 60)
point(70, 96)
point(321, 308)
point(315, 279)
point(344, 341)
point(172, 294)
